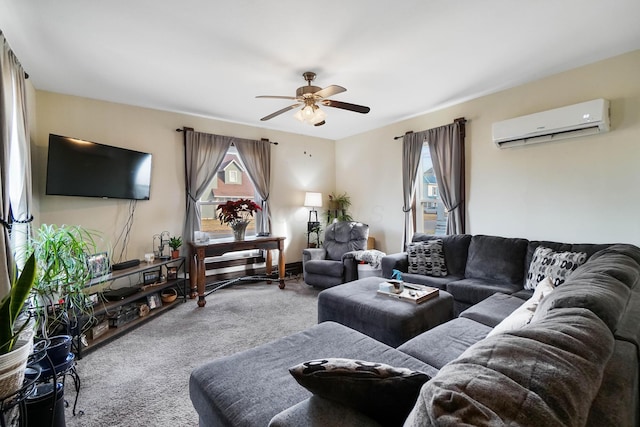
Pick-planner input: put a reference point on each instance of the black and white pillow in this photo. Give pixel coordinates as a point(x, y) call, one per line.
point(555, 265)
point(427, 258)
point(383, 392)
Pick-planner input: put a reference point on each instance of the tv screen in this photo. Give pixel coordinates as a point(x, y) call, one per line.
point(83, 168)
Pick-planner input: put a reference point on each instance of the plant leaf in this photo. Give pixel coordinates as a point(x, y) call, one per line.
point(21, 288)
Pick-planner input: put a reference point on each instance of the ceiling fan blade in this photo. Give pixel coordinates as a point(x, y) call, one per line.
point(276, 97)
point(330, 91)
point(277, 113)
point(346, 106)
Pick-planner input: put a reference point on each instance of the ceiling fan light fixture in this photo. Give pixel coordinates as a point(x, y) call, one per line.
point(318, 116)
point(307, 97)
point(310, 114)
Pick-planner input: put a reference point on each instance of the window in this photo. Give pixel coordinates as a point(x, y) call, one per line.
point(231, 182)
point(431, 214)
point(233, 177)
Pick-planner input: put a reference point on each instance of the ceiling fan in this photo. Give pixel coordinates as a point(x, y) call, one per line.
point(309, 97)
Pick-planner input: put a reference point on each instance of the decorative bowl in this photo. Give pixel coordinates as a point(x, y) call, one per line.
point(169, 295)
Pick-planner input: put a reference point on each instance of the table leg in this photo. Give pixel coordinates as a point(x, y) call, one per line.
point(281, 268)
point(201, 277)
point(268, 265)
point(193, 275)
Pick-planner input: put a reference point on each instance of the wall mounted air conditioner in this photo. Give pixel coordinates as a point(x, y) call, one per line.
point(585, 118)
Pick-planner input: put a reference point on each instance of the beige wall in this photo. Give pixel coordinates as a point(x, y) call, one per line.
point(575, 190)
point(293, 170)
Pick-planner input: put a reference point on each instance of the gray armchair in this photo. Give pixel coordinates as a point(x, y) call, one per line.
point(334, 263)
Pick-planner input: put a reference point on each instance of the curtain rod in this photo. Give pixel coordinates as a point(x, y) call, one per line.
point(459, 119)
point(261, 139)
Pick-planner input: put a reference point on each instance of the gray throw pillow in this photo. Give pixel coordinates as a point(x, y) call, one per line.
point(383, 392)
point(427, 258)
point(555, 265)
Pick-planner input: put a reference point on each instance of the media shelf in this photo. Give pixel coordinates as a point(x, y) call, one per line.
point(103, 308)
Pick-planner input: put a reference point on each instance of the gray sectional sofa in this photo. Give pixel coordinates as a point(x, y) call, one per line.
point(479, 266)
point(575, 363)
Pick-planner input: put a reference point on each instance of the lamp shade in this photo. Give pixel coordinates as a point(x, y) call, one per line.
point(313, 200)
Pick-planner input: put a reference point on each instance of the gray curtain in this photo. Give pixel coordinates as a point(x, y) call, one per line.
point(256, 156)
point(446, 145)
point(411, 150)
point(203, 155)
point(14, 148)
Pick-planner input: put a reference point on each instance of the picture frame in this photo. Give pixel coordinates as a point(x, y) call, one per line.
point(172, 273)
point(98, 264)
point(151, 277)
point(154, 301)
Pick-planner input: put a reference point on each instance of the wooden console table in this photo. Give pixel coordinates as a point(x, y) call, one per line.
point(199, 251)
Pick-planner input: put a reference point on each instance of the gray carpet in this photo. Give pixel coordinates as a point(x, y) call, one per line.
point(141, 378)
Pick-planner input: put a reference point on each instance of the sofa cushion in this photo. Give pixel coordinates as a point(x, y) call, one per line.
point(493, 310)
point(611, 407)
point(250, 387)
point(472, 291)
point(602, 285)
point(427, 258)
point(435, 282)
point(496, 259)
point(554, 265)
point(445, 342)
point(588, 248)
point(546, 374)
point(456, 247)
point(317, 411)
point(381, 391)
point(522, 315)
point(523, 294)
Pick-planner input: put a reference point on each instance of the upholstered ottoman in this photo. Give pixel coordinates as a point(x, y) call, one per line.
point(358, 305)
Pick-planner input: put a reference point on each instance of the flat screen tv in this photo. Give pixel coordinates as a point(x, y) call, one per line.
point(83, 168)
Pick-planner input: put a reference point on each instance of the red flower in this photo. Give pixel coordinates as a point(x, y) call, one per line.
point(237, 211)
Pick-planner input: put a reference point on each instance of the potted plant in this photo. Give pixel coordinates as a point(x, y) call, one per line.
point(15, 340)
point(62, 274)
point(174, 244)
point(237, 214)
point(338, 207)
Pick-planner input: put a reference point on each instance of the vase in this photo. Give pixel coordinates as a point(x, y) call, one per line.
point(239, 229)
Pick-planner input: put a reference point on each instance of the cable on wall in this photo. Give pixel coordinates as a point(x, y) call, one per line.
point(125, 234)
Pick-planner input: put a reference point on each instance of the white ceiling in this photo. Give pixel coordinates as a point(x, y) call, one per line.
point(403, 58)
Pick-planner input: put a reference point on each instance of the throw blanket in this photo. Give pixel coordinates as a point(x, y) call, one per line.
point(371, 256)
point(545, 374)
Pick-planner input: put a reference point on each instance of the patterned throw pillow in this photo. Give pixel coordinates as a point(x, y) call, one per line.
point(555, 265)
point(383, 392)
point(427, 258)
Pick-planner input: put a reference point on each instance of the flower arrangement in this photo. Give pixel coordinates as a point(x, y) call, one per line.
point(236, 212)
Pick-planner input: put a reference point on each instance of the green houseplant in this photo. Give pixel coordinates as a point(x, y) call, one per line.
point(12, 306)
point(62, 274)
point(14, 346)
point(174, 244)
point(339, 205)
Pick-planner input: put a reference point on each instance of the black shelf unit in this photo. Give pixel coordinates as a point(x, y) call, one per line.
point(103, 308)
